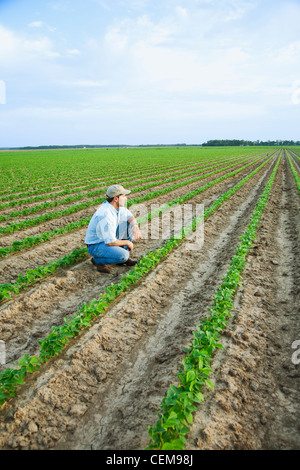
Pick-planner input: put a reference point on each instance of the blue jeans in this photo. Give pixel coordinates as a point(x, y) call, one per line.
point(104, 254)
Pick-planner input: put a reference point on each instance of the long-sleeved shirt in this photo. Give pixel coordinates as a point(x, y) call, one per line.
point(105, 222)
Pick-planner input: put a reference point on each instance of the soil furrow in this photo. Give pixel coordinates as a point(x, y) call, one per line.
point(19, 263)
point(145, 330)
point(64, 220)
point(28, 317)
point(165, 173)
point(255, 403)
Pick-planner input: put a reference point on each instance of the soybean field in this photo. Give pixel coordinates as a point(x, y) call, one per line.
point(197, 346)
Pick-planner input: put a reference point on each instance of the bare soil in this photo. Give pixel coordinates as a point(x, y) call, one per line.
point(19, 263)
point(29, 316)
point(106, 387)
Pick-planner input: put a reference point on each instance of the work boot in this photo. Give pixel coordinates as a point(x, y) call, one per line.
point(101, 268)
point(130, 262)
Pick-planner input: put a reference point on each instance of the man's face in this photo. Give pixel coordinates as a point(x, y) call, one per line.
point(122, 199)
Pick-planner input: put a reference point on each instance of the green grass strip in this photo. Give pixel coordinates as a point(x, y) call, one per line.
point(179, 403)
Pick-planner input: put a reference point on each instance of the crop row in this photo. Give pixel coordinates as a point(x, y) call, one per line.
point(76, 208)
point(81, 177)
point(296, 155)
point(34, 275)
point(103, 166)
point(19, 245)
point(108, 179)
point(178, 405)
point(88, 165)
point(53, 344)
point(156, 180)
point(71, 187)
point(296, 175)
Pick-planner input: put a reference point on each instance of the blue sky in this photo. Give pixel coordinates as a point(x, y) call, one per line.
point(148, 71)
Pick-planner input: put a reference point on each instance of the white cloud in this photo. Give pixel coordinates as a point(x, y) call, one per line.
point(237, 9)
point(104, 5)
point(115, 41)
point(289, 53)
point(41, 24)
point(181, 12)
point(8, 43)
point(16, 49)
point(35, 24)
point(179, 70)
point(86, 83)
point(73, 52)
point(2, 92)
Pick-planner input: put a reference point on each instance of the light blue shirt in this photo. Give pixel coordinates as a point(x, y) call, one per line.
point(105, 222)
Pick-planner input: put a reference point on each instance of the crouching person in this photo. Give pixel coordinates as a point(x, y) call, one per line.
point(111, 231)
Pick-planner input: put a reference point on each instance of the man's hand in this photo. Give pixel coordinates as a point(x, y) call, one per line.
point(136, 234)
point(130, 245)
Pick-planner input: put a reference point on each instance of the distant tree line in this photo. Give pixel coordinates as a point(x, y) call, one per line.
point(209, 143)
point(236, 142)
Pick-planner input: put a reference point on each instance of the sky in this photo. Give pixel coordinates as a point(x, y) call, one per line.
point(108, 72)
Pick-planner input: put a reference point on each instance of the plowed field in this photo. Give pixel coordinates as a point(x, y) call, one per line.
point(105, 387)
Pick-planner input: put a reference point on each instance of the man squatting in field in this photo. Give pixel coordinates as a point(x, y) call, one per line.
point(111, 231)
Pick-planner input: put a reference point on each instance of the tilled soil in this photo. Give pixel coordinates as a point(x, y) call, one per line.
point(62, 221)
point(295, 160)
point(162, 173)
point(19, 263)
point(105, 389)
point(86, 198)
point(29, 316)
point(255, 403)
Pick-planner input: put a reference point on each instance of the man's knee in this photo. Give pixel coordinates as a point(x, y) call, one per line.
point(125, 257)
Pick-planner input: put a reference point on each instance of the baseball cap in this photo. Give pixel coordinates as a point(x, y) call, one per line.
point(116, 190)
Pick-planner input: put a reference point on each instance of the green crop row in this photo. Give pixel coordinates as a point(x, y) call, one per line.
point(156, 180)
point(46, 194)
point(33, 275)
point(53, 344)
point(35, 169)
point(52, 169)
point(178, 405)
point(75, 208)
point(296, 155)
point(69, 188)
point(36, 274)
point(28, 242)
point(296, 175)
point(82, 177)
point(56, 177)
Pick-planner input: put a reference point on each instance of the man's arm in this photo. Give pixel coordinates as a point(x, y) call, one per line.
point(135, 228)
point(121, 243)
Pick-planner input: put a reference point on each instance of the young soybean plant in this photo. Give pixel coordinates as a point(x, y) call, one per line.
point(10, 379)
point(178, 405)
